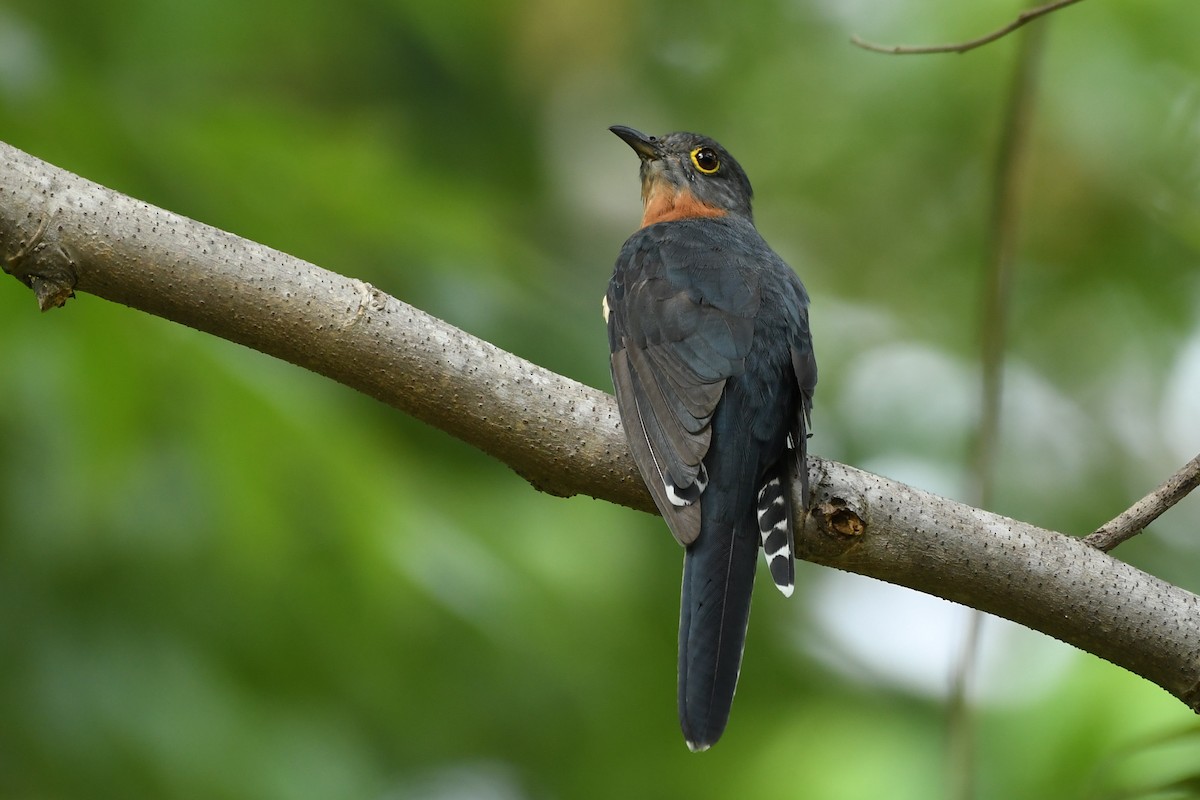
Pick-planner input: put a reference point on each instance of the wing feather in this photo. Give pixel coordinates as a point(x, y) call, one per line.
point(681, 321)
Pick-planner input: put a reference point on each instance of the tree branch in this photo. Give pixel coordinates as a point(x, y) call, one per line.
point(1022, 19)
point(66, 234)
point(1134, 520)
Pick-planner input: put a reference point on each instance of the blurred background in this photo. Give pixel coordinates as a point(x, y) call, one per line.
point(224, 577)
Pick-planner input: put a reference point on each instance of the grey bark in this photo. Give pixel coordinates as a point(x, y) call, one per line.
point(60, 233)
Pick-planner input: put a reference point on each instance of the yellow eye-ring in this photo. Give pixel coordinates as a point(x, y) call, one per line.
point(705, 159)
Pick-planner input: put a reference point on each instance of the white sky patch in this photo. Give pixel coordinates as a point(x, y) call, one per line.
point(932, 475)
point(1043, 428)
point(843, 328)
point(1181, 403)
point(879, 633)
point(908, 390)
point(1130, 404)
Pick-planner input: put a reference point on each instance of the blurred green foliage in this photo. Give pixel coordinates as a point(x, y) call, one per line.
point(221, 577)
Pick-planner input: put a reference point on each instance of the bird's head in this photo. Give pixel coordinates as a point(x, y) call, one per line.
point(687, 175)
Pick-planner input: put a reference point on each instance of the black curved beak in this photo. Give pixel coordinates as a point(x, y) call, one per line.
point(646, 147)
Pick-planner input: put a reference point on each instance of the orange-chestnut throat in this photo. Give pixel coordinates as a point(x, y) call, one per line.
point(665, 202)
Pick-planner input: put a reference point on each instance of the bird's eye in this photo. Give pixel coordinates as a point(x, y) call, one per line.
point(705, 159)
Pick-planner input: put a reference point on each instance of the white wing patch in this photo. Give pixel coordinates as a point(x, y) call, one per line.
point(688, 494)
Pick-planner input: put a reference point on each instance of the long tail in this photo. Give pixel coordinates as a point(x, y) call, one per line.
point(718, 577)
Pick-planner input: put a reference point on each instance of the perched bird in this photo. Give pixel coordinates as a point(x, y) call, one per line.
point(714, 372)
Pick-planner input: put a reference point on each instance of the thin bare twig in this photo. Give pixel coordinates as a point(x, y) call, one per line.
point(1134, 520)
point(962, 47)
